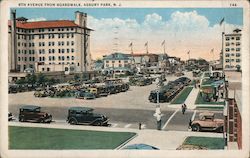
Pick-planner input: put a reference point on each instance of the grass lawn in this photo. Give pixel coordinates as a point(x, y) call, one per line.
point(199, 100)
point(207, 142)
point(57, 139)
point(182, 96)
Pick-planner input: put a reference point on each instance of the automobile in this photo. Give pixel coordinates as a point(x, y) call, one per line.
point(140, 147)
point(10, 116)
point(207, 121)
point(85, 115)
point(40, 93)
point(85, 95)
point(32, 113)
point(179, 74)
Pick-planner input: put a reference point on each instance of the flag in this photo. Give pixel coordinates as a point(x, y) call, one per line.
point(212, 50)
point(222, 20)
point(163, 43)
point(146, 44)
point(188, 52)
point(130, 45)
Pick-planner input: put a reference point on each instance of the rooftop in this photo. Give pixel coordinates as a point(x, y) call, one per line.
point(45, 24)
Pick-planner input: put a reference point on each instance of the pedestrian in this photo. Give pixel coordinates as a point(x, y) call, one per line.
point(139, 125)
point(183, 107)
point(158, 117)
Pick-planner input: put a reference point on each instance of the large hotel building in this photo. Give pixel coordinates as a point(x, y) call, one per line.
point(232, 50)
point(45, 46)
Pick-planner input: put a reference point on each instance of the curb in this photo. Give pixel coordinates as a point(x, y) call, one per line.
point(123, 144)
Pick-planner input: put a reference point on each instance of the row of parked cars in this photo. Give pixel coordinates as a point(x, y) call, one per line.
point(76, 115)
point(90, 91)
point(169, 91)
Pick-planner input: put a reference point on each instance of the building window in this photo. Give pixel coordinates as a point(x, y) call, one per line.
point(120, 65)
point(49, 58)
point(232, 60)
point(232, 38)
point(72, 35)
point(227, 38)
point(42, 69)
point(67, 43)
point(19, 51)
point(59, 35)
point(62, 58)
point(67, 50)
point(237, 54)
point(113, 61)
point(72, 29)
point(67, 35)
point(72, 58)
point(25, 58)
point(62, 35)
point(19, 59)
point(107, 61)
point(59, 50)
point(49, 44)
point(68, 58)
point(59, 43)
point(30, 58)
point(107, 65)
point(237, 43)
point(62, 50)
point(237, 49)
point(119, 61)
point(227, 60)
point(237, 60)
point(59, 58)
point(72, 50)
point(227, 44)
point(232, 54)
point(232, 49)
point(72, 43)
point(237, 38)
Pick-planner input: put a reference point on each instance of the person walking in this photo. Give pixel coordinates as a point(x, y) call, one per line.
point(183, 108)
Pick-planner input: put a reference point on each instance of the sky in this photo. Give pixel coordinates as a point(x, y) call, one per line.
point(197, 30)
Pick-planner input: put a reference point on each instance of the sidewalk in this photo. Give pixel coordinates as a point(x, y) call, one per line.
point(164, 140)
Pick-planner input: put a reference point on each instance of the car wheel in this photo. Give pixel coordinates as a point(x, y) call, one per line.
point(72, 122)
point(21, 119)
point(196, 127)
point(220, 129)
point(42, 121)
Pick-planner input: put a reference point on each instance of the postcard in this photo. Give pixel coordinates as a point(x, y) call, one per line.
point(124, 79)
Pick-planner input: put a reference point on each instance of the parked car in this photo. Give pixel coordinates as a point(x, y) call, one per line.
point(85, 115)
point(10, 116)
point(207, 121)
point(85, 95)
point(32, 113)
point(40, 93)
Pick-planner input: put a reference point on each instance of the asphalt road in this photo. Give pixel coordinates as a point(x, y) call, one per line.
point(172, 119)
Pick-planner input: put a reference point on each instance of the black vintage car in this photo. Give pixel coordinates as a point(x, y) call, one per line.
point(32, 113)
point(84, 115)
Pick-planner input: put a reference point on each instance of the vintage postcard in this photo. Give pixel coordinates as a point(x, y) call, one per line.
point(124, 79)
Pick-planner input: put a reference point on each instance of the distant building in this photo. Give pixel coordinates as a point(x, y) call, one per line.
point(232, 50)
point(49, 46)
point(117, 63)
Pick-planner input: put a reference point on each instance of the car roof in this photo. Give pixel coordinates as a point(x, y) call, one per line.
point(31, 107)
point(207, 114)
point(78, 108)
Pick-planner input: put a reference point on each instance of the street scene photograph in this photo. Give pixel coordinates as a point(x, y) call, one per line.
point(125, 79)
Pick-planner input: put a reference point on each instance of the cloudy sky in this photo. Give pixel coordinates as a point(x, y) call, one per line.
point(195, 29)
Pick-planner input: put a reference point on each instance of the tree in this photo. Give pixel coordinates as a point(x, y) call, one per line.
point(76, 77)
point(20, 81)
point(31, 79)
point(41, 78)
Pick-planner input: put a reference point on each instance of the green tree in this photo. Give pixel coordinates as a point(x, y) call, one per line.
point(76, 77)
point(21, 81)
point(31, 79)
point(41, 78)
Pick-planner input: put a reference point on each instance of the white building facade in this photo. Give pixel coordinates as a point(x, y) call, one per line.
point(59, 45)
point(232, 50)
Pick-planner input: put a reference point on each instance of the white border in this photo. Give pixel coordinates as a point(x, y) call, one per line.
point(5, 12)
